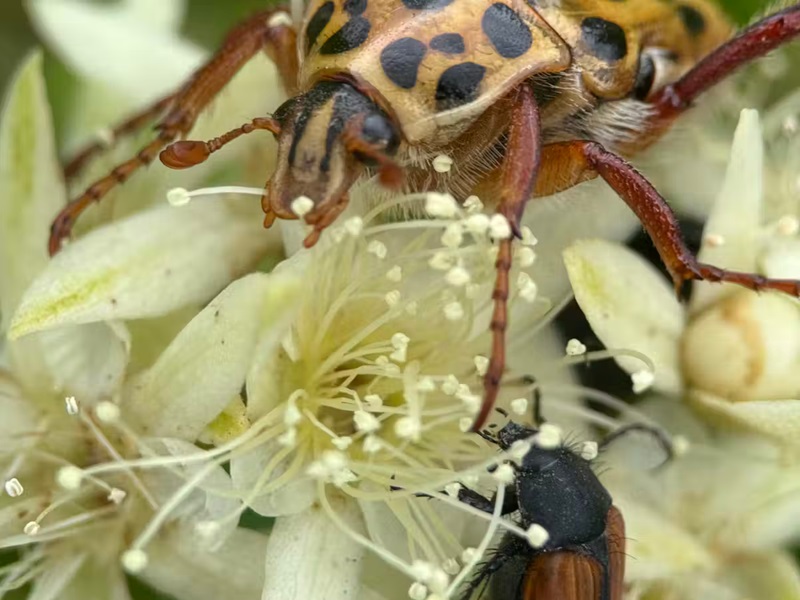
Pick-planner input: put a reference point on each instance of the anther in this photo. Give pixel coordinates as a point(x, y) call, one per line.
point(69, 477)
point(417, 591)
point(354, 226)
point(366, 421)
point(179, 197)
point(589, 450)
point(107, 412)
point(392, 298)
point(117, 496)
point(134, 561)
point(481, 364)
point(452, 489)
point(377, 248)
point(458, 277)
point(575, 348)
point(473, 204)
point(454, 311)
point(549, 436)
point(395, 274)
point(442, 163)
point(504, 474)
point(443, 206)
point(499, 227)
point(537, 535)
point(14, 488)
point(71, 405)
point(453, 236)
point(642, 380)
point(408, 428)
point(31, 528)
point(519, 406)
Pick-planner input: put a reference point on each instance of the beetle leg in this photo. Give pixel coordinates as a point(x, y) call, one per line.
point(657, 218)
point(753, 42)
point(133, 124)
point(482, 503)
point(517, 179)
point(269, 30)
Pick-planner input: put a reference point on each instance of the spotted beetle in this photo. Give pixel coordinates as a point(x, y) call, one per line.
point(528, 98)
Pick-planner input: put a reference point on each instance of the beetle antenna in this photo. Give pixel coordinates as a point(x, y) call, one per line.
point(661, 437)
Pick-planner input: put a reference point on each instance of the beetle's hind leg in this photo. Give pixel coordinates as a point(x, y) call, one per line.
point(270, 31)
point(753, 42)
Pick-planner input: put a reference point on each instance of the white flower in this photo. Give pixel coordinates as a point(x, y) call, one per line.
point(81, 506)
point(734, 354)
point(713, 523)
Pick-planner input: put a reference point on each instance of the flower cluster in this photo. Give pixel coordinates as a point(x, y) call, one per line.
point(176, 373)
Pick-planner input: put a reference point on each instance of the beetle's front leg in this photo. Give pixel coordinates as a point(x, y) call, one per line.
point(517, 178)
point(270, 31)
point(753, 42)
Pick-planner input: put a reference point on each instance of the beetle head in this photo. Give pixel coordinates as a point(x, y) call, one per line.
point(328, 136)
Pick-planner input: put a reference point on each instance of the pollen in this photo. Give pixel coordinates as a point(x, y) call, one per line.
point(69, 477)
point(481, 365)
point(458, 277)
point(454, 311)
point(408, 428)
point(342, 442)
point(31, 528)
point(575, 348)
point(526, 257)
point(400, 344)
point(366, 421)
point(179, 197)
point(528, 239)
point(519, 406)
point(442, 163)
point(537, 535)
point(134, 561)
point(549, 436)
point(354, 226)
point(372, 444)
point(377, 249)
point(395, 274)
point(417, 591)
point(499, 227)
point(107, 412)
point(642, 381)
point(392, 298)
point(473, 204)
point(71, 405)
point(589, 450)
point(442, 206)
point(504, 474)
point(14, 488)
point(440, 261)
point(302, 205)
point(528, 290)
point(453, 236)
point(478, 223)
point(714, 240)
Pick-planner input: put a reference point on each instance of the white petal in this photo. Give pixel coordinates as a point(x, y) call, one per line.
point(308, 556)
point(590, 210)
point(96, 579)
point(102, 43)
point(86, 361)
point(629, 305)
point(782, 259)
point(736, 215)
point(198, 374)
point(31, 188)
point(661, 547)
point(772, 575)
point(165, 16)
point(177, 567)
point(778, 419)
point(56, 575)
point(144, 266)
point(292, 497)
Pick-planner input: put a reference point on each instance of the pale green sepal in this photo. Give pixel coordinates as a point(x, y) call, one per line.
point(205, 366)
point(144, 266)
point(737, 212)
point(629, 306)
point(31, 187)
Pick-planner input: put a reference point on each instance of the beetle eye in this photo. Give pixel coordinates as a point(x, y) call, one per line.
point(645, 77)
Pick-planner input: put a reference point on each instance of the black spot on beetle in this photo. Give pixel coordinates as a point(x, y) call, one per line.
point(506, 30)
point(355, 7)
point(400, 61)
point(352, 34)
point(449, 43)
point(604, 39)
point(459, 85)
point(426, 4)
point(317, 23)
point(692, 19)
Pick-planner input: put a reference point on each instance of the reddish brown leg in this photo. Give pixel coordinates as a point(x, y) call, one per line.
point(753, 42)
point(267, 31)
point(658, 219)
point(186, 153)
point(517, 179)
point(132, 125)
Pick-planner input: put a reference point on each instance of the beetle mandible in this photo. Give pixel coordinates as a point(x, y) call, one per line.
point(556, 92)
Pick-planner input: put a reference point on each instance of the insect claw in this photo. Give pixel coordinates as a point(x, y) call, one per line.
point(184, 154)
